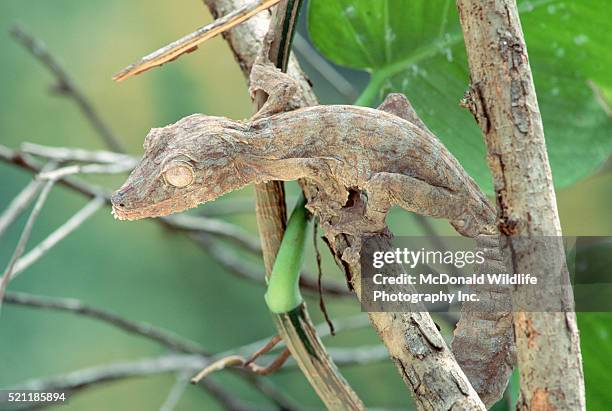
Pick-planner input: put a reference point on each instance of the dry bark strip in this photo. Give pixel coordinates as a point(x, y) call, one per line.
point(503, 101)
point(190, 42)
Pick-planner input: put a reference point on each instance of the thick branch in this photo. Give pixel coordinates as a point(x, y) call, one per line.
point(503, 100)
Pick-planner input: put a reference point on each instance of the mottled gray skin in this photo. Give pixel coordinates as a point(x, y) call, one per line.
point(345, 148)
point(348, 151)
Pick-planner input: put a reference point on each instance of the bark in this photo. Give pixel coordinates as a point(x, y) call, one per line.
point(424, 361)
point(502, 98)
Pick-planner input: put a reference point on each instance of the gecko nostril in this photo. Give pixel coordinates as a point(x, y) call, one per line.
point(117, 199)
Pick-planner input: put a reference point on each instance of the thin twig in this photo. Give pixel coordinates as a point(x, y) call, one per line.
point(264, 349)
point(221, 364)
point(234, 263)
point(62, 232)
point(239, 361)
point(76, 154)
point(88, 169)
point(191, 41)
point(83, 378)
point(86, 378)
point(65, 85)
point(216, 227)
point(164, 337)
point(161, 336)
point(27, 162)
point(23, 199)
point(25, 235)
point(189, 362)
point(172, 363)
point(227, 400)
point(344, 324)
point(176, 392)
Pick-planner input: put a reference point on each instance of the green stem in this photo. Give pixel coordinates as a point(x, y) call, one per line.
point(368, 96)
point(283, 294)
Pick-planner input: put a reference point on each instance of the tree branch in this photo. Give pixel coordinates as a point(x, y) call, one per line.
point(503, 101)
point(77, 154)
point(176, 392)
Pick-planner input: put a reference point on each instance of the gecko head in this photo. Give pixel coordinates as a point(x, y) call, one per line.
point(184, 164)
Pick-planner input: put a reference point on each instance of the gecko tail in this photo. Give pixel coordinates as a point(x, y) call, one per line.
point(483, 342)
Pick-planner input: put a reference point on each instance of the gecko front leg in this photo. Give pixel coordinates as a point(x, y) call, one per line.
point(281, 88)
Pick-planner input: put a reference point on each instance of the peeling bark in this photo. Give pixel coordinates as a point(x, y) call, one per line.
point(503, 101)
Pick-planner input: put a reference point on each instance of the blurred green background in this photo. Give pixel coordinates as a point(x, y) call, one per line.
point(139, 269)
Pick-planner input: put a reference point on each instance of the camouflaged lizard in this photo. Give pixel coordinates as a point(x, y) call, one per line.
point(387, 156)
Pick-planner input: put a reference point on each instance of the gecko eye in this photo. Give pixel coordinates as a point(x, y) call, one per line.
point(179, 176)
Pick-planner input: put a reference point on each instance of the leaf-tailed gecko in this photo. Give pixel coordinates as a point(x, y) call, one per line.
point(385, 155)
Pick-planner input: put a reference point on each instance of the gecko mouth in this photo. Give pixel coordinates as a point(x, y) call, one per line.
point(123, 210)
point(121, 214)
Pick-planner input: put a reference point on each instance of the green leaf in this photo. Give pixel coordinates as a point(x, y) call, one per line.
point(596, 346)
point(416, 47)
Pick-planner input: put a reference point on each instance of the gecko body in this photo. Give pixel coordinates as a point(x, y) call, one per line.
point(345, 148)
point(387, 157)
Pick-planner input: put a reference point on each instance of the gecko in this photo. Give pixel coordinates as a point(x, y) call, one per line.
point(387, 156)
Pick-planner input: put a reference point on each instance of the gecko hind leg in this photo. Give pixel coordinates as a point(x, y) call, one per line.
point(398, 105)
point(384, 190)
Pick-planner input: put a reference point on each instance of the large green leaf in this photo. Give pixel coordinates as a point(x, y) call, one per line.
point(416, 47)
point(596, 345)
